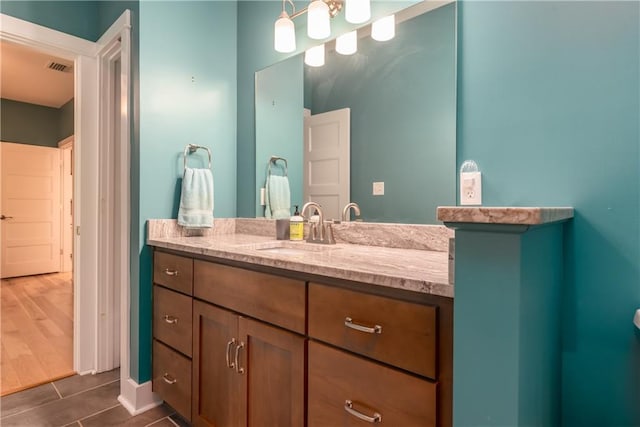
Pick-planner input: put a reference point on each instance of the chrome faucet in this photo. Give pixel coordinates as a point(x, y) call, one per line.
point(345, 211)
point(318, 232)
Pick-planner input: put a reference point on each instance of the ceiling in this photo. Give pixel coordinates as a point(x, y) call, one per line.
point(24, 76)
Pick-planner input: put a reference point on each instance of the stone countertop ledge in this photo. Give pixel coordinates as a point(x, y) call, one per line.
point(417, 270)
point(503, 215)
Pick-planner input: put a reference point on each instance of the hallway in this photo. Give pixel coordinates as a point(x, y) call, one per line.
point(36, 329)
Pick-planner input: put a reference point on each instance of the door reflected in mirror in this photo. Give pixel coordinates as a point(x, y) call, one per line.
point(401, 95)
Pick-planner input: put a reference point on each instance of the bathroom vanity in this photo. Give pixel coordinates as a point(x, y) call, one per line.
point(249, 330)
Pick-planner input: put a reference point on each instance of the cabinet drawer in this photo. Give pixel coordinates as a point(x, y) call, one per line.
point(173, 271)
point(336, 377)
point(172, 378)
point(399, 333)
point(274, 299)
point(172, 319)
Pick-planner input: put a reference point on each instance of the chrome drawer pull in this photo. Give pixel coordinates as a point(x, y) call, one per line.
point(169, 379)
point(239, 370)
point(170, 272)
point(348, 406)
point(348, 322)
point(230, 364)
point(170, 319)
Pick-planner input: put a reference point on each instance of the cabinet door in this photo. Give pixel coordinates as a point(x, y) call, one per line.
point(273, 386)
point(216, 387)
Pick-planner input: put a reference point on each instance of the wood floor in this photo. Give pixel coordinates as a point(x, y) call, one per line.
point(36, 317)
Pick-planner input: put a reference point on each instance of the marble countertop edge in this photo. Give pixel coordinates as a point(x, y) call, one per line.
point(504, 215)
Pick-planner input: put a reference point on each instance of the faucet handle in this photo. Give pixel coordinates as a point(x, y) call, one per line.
point(328, 232)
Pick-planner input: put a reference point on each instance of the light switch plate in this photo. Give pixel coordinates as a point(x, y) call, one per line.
point(263, 196)
point(470, 188)
point(378, 188)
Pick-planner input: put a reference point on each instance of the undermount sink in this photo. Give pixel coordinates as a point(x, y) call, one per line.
point(286, 247)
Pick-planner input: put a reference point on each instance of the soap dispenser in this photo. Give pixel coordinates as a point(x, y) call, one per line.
point(296, 226)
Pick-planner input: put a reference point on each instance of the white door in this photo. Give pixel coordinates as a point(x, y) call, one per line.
point(31, 210)
point(326, 160)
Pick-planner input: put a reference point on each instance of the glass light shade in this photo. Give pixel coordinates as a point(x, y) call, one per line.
point(318, 26)
point(314, 56)
point(384, 28)
point(357, 11)
point(285, 34)
point(347, 44)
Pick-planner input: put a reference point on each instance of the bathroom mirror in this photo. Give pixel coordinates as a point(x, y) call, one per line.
point(402, 99)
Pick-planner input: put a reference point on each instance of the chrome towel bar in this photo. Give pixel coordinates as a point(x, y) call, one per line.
point(192, 148)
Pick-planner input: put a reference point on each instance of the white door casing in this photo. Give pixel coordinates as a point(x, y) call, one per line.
point(66, 200)
point(326, 160)
point(31, 205)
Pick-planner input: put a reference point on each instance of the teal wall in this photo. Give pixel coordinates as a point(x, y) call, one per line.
point(255, 52)
point(66, 120)
point(548, 105)
point(279, 125)
point(507, 326)
point(402, 96)
point(187, 95)
point(35, 124)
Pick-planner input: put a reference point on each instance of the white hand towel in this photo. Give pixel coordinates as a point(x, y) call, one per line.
point(196, 199)
point(278, 197)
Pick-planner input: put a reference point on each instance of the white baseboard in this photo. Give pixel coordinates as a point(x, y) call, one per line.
point(137, 398)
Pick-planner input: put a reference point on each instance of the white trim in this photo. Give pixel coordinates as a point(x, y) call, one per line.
point(39, 37)
point(115, 30)
point(115, 44)
point(63, 146)
point(65, 142)
point(82, 52)
point(85, 184)
point(137, 398)
point(114, 232)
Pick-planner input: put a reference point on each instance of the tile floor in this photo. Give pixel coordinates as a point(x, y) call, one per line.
point(80, 401)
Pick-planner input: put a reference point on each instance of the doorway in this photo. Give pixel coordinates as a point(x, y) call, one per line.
point(37, 92)
point(94, 317)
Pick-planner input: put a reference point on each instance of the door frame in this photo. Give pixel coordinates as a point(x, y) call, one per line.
point(90, 331)
point(65, 144)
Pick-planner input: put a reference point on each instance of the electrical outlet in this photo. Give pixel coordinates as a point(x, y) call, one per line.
point(470, 188)
point(378, 188)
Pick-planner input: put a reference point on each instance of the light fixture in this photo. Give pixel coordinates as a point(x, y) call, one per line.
point(384, 28)
point(318, 25)
point(347, 44)
point(314, 56)
point(285, 34)
point(357, 11)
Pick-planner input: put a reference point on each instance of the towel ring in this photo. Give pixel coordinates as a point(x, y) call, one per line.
point(192, 148)
point(273, 160)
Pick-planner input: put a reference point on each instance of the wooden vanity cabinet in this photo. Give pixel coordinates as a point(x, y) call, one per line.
point(386, 366)
point(269, 350)
point(172, 329)
point(245, 371)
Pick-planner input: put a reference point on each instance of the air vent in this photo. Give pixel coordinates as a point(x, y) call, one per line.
point(58, 66)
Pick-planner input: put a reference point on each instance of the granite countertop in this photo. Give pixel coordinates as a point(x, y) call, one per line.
point(417, 270)
point(504, 215)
